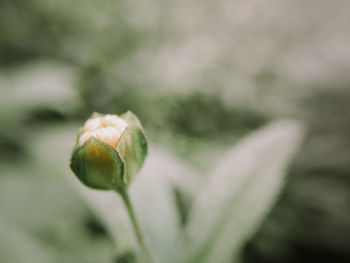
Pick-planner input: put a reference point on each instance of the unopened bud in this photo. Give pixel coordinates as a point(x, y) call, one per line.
point(110, 150)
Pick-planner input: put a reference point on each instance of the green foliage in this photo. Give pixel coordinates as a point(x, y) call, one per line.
point(62, 60)
point(65, 30)
point(241, 188)
point(42, 220)
point(249, 175)
point(153, 190)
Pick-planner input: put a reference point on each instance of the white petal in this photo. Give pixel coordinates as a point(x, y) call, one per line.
point(92, 124)
point(109, 135)
point(114, 121)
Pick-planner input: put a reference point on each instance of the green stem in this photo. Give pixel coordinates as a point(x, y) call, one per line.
point(135, 224)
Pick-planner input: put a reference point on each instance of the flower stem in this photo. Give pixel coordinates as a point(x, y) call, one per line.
point(136, 227)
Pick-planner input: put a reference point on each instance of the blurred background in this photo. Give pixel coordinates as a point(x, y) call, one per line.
point(199, 74)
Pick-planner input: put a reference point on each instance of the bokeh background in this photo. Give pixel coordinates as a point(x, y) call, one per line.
point(200, 74)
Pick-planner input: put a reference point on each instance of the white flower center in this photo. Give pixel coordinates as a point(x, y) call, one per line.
point(107, 129)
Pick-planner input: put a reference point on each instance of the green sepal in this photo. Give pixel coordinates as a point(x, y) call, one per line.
point(132, 145)
point(98, 165)
point(131, 119)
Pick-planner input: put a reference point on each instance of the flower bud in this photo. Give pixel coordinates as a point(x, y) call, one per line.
point(109, 151)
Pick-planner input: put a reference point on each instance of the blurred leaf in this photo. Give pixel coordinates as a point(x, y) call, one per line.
point(42, 220)
point(18, 246)
point(155, 201)
point(41, 85)
point(240, 190)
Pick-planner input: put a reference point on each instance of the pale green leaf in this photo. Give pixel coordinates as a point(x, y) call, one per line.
point(239, 191)
point(40, 85)
point(152, 192)
point(41, 218)
point(17, 246)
